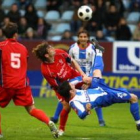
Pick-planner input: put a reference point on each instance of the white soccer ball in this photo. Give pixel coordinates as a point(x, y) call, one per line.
point(85, 13)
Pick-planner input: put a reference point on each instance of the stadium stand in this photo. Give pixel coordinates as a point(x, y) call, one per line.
point(56, 38)
point(22, 12)
point(41, 14)
point(67, 15)
point(61, 27)
point(133, 17)
point(132, 27)
point(52, 15)
point(7, 3)
point(40, 4)
point(61, 18)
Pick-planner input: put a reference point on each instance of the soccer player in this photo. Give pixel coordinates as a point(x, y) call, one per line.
point(99, 95)
point(57, 66)
point(90, 60)
point(14, 84)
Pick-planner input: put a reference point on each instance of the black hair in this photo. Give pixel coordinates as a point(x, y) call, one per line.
point(83, 31)
point(64, 89)
point(10, 29)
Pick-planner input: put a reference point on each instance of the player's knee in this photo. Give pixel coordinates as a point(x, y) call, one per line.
point(29, 108)
point(66, 106)
point(134, 98)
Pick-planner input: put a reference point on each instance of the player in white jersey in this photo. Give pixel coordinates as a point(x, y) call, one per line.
point(88, 57)
point(98, 95)
point(90, 60)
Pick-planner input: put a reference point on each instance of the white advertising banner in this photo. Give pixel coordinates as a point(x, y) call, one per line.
point(126, 57)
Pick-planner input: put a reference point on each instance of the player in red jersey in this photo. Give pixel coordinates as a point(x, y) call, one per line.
point(57, 66)
point(14, 84)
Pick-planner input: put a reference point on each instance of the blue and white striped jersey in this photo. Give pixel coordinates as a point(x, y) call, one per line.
point(100, 96)
point(89, 59)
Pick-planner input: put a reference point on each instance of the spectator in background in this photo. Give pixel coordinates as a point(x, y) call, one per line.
point(1, 35)
point(123, 31)
point(96, 22)
point(75, 22)
point(53, 5)
point(14, 14)
point(100, 35)
point(100, 8)
point(2, 15)
point(6, 20)
point(67, 36)
point(67, 5)
point(30, 34)
point(23, 3)
point(136, 33)
point(135, 6)
point(23, 26)
point(112, 18)
point(31, 16)
point(119, 5)
point(42, 29)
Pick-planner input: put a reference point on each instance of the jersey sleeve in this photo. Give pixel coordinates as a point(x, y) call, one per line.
point(52, 81)
point(66, 56)
point(79, 109)
point(70, 51)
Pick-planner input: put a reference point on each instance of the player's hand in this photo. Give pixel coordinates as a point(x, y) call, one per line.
point(87, 80)
point(88, 108)
point(85, 86)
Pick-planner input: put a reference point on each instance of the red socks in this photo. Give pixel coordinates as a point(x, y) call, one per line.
point(40, 115)
point(63, 119)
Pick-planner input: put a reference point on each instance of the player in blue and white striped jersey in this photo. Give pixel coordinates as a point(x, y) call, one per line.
point(88, 57)
point(98, 95)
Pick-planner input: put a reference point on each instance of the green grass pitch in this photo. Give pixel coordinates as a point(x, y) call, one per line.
point(18, 125)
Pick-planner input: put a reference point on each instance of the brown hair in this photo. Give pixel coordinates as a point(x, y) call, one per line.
point(40, 51)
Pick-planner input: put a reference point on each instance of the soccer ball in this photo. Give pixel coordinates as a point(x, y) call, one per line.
point(85, 13)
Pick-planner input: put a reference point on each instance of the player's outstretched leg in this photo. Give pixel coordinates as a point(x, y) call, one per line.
point(134, 109)
point(57, 112)
point(40, 115)
point(100, 116)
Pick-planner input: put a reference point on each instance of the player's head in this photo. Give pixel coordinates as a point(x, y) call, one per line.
point(66, 89)
point(44, 51)
point(83, 37)
point(10, 30)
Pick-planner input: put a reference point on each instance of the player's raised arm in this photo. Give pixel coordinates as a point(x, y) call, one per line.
point(81, 111)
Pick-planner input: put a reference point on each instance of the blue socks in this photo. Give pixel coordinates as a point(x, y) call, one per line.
point(58, 111)
point(99, 113)
point(134, 109)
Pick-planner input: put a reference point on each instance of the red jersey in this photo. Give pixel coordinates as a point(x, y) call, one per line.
point(13, 62)
point(60, 70)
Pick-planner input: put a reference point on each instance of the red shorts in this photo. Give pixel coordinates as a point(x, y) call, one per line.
point(60, 98)
point(22, 97)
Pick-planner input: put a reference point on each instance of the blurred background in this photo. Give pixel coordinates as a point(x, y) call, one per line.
point(115, 24)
